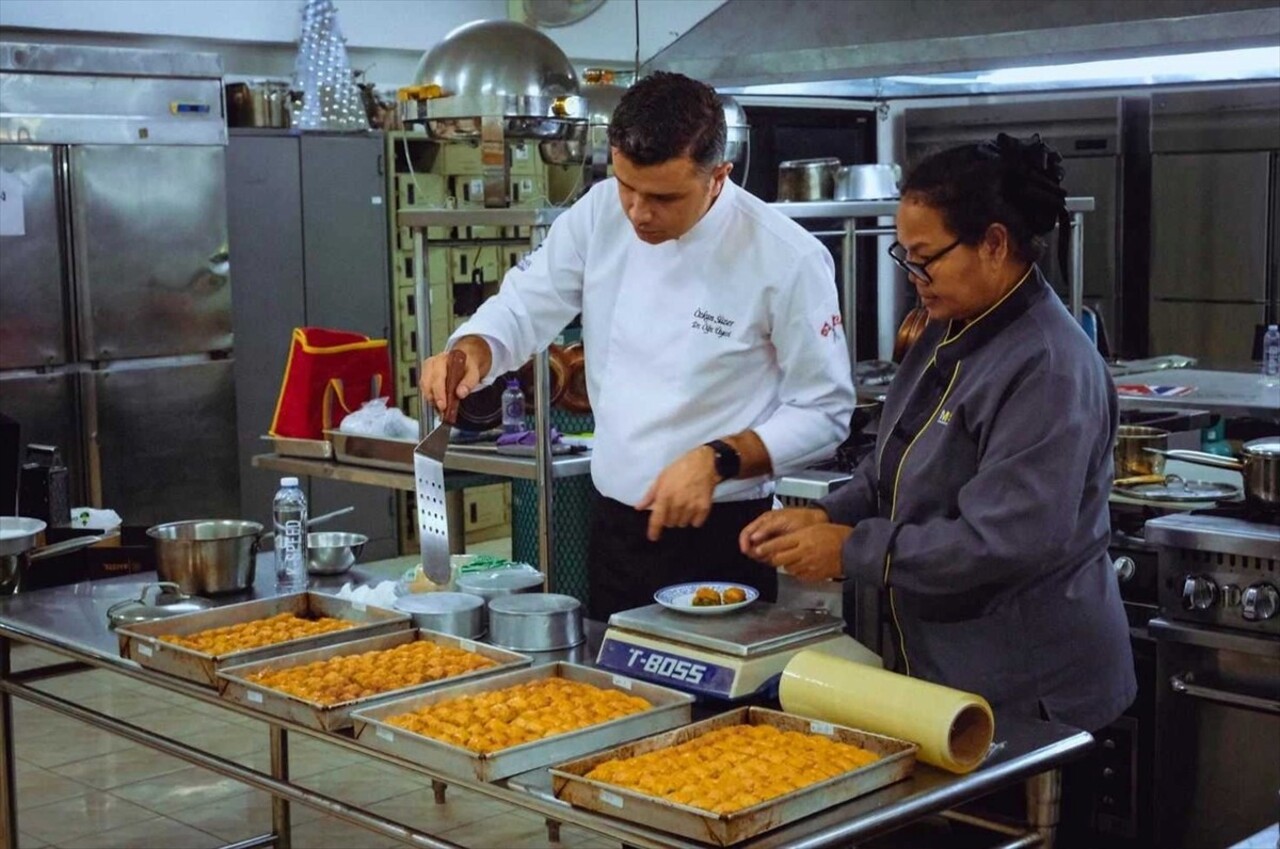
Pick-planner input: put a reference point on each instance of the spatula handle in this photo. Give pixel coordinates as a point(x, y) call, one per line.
point(456, 368)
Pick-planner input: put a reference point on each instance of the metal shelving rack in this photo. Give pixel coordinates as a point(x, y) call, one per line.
point(545, 466)
point(848, 213)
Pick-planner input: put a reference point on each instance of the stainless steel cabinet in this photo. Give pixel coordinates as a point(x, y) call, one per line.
point(309, 247)
point(164, 437)
point(1206, 242)
point(33, 314)
point(150, 250)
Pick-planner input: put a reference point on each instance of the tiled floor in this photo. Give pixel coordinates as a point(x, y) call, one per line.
point(80, 788)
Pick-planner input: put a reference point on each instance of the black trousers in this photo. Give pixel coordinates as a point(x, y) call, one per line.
point(624, 569)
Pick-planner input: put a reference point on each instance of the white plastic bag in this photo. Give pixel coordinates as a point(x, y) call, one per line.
point(375, 418)
point(369, 420)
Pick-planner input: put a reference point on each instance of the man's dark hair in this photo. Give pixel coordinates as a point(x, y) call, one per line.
point(1014, 182)
point(665, 116)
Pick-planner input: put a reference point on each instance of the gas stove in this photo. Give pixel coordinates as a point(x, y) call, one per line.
point(1219, 567)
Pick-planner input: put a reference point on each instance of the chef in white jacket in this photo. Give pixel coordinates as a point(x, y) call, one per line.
point(714, 351)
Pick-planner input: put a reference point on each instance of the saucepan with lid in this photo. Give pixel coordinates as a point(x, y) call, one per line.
point(1258, 463)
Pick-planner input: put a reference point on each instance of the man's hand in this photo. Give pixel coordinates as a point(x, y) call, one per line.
point(810, 554)
point(431, 381)
point(681, 496)
point(777, 523)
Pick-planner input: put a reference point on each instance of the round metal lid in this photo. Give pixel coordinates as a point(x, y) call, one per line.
point(169, 602)
point(1175, 489)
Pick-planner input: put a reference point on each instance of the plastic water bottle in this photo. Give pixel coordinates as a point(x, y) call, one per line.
point(513, 408)
point(1271, 356)
point(290, 512)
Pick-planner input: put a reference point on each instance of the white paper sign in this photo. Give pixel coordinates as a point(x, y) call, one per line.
point(611, 798)
point(144, 650)
point(12, 219)
point(623, 683)
point(254, 697)
point(386, 734)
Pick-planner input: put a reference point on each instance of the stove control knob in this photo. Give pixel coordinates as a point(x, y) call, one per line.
point(1260, 602)
point(1125, 567)
point(1198, 593)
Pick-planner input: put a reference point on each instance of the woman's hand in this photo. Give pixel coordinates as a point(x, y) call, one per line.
point(777, 523)
point(810, 554)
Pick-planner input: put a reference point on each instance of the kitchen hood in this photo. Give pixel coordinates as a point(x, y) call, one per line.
point(871, 48)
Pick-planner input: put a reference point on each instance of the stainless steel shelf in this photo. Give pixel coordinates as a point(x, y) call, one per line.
point(876, 208)
point(457, 460)
point(426, 217)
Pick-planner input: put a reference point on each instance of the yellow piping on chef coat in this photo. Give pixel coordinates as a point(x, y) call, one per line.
point(949, 338)
point(893, 509)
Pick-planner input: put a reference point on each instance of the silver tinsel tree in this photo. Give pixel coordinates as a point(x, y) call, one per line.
point(323, 74)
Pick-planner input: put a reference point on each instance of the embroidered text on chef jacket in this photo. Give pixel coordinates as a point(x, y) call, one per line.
point(733, 326)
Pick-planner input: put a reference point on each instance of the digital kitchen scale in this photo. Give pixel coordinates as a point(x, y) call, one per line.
point(727, 657)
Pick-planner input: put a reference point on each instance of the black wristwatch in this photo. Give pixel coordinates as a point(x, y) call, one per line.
point(728, 461)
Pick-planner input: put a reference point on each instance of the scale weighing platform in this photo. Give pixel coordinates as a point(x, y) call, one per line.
point(730, 657)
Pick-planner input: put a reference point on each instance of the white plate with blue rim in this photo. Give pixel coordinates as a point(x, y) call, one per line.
point(704, 598)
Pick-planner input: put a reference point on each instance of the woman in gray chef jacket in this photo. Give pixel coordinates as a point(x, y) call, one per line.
point(983, 510)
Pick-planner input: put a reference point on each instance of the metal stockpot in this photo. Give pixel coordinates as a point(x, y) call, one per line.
point(867, 182)
point(18, 549)
point(207, 556)
point(1132, 459)
point(259, 103)
point(807, 179)
point(535, 622)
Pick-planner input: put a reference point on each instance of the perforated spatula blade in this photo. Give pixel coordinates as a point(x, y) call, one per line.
point(428, 472)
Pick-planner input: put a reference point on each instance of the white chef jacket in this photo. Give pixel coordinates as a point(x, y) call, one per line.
point(734, 326)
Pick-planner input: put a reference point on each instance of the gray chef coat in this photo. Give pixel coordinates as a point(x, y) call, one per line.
point(983, 511)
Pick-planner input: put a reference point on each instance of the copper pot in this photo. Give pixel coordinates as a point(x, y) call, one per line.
point(909, 331)
point(559, 376)
point(1132, 459)
point(574, 399)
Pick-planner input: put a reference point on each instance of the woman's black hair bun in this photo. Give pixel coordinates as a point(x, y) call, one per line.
point(1032, 178)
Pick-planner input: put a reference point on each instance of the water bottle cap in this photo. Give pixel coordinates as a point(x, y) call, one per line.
point(288, 481)
point(1273, 327)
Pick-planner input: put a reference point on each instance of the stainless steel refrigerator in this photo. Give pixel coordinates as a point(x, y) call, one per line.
point(1215, 221)
point(115, 298)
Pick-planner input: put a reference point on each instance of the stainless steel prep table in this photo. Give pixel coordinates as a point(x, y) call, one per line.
point(1227, 393)
point(71, 621)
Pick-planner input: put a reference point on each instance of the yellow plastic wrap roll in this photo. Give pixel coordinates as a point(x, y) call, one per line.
point(953, 729)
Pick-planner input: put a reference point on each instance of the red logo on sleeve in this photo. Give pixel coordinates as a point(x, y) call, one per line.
point(831, 325)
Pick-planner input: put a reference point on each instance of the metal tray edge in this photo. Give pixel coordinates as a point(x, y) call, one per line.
point(573, 787)
point(670, 709)
point(233, 683)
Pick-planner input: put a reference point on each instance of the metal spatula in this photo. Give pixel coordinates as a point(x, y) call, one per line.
point(428, 471)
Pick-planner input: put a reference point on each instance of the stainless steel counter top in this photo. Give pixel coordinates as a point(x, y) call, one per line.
point(1227, 393)
point(72, 621)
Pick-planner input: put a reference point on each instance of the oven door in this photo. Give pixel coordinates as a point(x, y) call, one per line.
point(1217, 734)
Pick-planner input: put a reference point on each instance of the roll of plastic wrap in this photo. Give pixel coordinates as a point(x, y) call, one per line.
point(952, 728)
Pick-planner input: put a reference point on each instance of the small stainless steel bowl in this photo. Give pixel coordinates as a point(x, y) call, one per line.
point(535, 622)
point(333, 552)
point(460, 614)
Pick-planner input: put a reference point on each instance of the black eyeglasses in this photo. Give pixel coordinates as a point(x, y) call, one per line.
point(917, 269)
